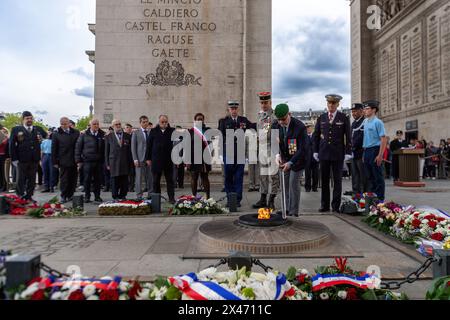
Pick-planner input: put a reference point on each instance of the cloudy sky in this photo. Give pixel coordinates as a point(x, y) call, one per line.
point(43, 66)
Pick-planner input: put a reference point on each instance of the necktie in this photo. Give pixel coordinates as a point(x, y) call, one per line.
point(331, 117)
point(29, 129)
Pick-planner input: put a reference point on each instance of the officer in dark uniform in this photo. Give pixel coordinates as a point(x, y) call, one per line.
point(332, 146)
point(25, 149)
point(234, 166)
point(359, 181)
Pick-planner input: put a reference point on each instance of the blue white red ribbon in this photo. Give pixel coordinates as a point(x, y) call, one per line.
point(205, 290)
point(200, 134)
point(322, 281)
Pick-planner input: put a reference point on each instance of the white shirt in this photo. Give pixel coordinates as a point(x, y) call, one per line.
point(334, 116)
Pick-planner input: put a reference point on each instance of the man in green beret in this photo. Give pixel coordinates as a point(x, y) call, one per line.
point(293, 155)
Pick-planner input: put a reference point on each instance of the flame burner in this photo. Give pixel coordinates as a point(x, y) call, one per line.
point(252, 220)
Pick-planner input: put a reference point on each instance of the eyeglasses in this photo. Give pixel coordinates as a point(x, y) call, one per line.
point(118, 124)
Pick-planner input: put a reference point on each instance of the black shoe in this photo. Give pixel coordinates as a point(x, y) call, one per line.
point(308, 190)
point(238, 205)
point(64, 200)
point(348, 193)
point(271, 203)
point(322, 210)
point(99, 200)
point(262, 203)
point(336, 211)
point(172, 201)
point(44, 191)
point(87, 200)
point(315, 190)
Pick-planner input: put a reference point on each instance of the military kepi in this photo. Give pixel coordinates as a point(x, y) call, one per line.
point(333, 98)
point(281, 111)
point(374, 104)
point(233, 103)
point(265, 96)
point(357, 106)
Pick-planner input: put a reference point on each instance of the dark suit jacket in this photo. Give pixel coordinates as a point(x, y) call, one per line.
point(118, 157)
point(358, 138)
point(228, 124)
point(296, 134)
point(24, 146)
point(63, 147)
point(333, 141)
point(159, 148)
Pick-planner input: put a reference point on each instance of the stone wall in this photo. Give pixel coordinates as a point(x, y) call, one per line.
point(180, 57)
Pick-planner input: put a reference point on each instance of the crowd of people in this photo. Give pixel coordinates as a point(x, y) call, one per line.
point(123, 159)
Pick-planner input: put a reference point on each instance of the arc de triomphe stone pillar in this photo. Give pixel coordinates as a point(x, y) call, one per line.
point(180, 57)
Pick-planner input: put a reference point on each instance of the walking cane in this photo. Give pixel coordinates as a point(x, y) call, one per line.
point(283, 195)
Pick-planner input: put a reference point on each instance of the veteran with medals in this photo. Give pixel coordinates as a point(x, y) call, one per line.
point(293, 155)
point(268, 176)
point(332, 146)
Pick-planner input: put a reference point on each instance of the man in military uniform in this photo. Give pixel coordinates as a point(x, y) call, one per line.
point(332, 146)
point(266, 119)
point(359, 183)
point(234, 166)
point(25, 150)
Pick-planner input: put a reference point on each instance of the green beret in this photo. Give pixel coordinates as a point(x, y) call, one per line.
point(281, 110)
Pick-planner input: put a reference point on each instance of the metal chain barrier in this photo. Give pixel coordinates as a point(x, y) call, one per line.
point(52, 271)
point(411, 278)
point(255, 262)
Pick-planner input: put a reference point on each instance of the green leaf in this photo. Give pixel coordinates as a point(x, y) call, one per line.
point(291, 274)
point(369, 295)
point(161, 282)
point(173, 294)
point(249, 293)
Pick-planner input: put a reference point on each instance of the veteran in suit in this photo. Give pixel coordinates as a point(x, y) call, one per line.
point(118, 160)
point(332, 146)
point(293, 155)
point(139, 151)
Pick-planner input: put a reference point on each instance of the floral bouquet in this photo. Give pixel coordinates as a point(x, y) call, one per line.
point(19, 206)
point(383, 216)
point(340, 282)
point(192, 206)
point(235, 285)
point(79, 288)
point(413, 224)
point(440, 289)
point(125, 208)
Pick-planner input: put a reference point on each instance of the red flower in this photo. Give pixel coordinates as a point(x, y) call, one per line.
point(440, 219)
point(18, 212)
point(301, 278)
point(437, 236)
point(432, 224)
point(402, 223)
point(47, 206)
point(38, 295)
point(416, 223)
point(35, 280)
point(109, 295)
point(134, 291)
point(352, 294)
point(77, 295)
point(430, 217)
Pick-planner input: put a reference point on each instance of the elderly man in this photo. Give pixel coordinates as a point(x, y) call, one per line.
point(63, 158)
point(139, 151)
point(293, 155)
point(25, 150)
point(332, 146)
point(159, 156)
point(90, 158)
point(118, 160)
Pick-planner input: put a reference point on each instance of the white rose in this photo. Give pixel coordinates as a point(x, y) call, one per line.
point(342, 295)
point(380, 220)
point(89, 290)
point(208, 273)
point(56, 296)
point(304, 271)
point(324, 296)
point(144, 294)
point(93, 298)
point(258, 276)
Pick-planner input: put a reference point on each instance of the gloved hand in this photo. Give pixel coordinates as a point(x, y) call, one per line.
point(278, 160)
point(316, 157)
point(348, 157)
point(15, 163)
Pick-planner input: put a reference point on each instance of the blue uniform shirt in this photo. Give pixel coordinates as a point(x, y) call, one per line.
point(373, 132)
point(46, 146)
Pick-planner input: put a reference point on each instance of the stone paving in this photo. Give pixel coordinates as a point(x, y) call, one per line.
point(159, 244)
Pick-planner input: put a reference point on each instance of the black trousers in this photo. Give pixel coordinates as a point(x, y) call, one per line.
point(26, 180)
point(395, 169)
point(326, 167)
point(168, 174)
point(3, 181)
point(119, 187)
point(312, 175)
point(92, 175)
point(68, 181)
